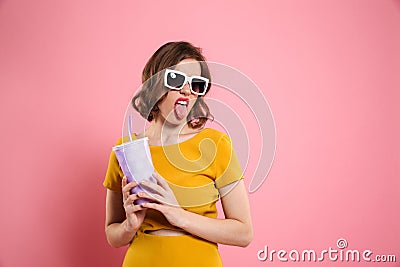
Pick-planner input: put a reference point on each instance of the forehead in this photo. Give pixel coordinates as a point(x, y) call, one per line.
point(189, 66)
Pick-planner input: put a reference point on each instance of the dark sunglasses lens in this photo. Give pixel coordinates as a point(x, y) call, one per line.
point(175, 80)
point(199, 86)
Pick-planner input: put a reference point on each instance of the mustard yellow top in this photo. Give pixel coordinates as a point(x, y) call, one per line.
point(194, 169)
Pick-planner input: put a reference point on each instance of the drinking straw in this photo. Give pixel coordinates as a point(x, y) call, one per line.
point(130, 127)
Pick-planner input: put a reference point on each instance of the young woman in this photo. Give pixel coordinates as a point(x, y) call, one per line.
point(195, 166)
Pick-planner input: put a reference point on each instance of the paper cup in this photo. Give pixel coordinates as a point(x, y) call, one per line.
point(134, 158)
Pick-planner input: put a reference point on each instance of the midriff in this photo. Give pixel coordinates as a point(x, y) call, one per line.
point(167, 232)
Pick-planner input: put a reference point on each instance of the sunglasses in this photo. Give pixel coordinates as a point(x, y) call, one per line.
point(176, 80)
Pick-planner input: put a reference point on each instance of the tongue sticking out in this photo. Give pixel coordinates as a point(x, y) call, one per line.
point(180, 111)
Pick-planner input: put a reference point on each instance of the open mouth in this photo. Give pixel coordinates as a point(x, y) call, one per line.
point(181, 108)
point(182, 101)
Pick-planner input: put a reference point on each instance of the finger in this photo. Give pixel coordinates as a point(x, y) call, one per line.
point(124, 181)
point(160, 180)
point(153, 206)
point(152, 187)
point(127, 188)
point(130, 200)
point(123, 184)
point(143, 195)
point(133, 208)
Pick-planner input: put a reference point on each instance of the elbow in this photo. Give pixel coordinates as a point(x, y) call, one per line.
point(112, 244)
point(247, 240)
point(246, 237)
point(111, 241)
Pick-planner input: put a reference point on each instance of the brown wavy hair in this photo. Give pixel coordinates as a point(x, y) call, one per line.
point(153, 90)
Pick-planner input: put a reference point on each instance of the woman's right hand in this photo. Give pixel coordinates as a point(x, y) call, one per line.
point(135, 214)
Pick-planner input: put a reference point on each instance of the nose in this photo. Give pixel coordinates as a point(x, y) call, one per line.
point(186, 89)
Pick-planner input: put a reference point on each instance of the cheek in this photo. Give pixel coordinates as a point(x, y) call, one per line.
point(168, 101)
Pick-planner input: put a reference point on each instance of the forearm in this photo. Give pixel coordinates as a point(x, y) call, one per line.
point(118, 234)
point(224, 231)
point(236, 229)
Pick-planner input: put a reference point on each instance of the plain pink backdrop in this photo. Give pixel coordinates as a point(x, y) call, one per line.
point(329, 70)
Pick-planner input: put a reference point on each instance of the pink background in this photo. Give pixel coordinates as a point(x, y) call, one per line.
point(329, 70)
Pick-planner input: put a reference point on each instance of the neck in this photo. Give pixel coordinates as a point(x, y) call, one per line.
point(160, 132)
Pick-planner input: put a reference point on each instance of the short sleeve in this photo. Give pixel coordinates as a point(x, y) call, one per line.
point(227, 166)
point(113, 179)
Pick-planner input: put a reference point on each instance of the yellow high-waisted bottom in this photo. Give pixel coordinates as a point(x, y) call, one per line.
point(164, 251)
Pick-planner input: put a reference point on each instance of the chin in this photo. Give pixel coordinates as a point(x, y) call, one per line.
point(171, 119)
point(174, 121)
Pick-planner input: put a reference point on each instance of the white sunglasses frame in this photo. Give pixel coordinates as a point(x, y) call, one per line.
point(187, 79)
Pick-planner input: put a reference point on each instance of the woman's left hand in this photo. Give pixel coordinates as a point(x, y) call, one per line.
point(165, 199)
